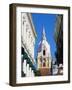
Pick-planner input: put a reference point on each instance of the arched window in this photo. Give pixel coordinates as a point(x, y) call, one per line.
point(44, 64)
point(43, 52)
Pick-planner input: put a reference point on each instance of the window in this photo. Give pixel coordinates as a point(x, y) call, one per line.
point(48, 62)
point(27, 27)
point(23, 17)
point(44, 64)
point(22, 50)
point(24, 20)
point(43, 52)
point(40, 61)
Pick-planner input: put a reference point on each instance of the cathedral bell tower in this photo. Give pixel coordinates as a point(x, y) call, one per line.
point(44, 56)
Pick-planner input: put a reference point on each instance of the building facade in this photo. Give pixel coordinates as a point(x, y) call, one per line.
point(59, 39)
point(59, 43)
point(28, 36)
point(44, 56)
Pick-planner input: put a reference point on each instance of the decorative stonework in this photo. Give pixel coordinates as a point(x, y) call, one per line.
point(28, 36)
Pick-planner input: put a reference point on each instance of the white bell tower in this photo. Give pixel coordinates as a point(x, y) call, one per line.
point(44, 55)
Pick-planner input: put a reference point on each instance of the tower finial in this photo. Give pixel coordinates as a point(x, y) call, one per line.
point(44, 36)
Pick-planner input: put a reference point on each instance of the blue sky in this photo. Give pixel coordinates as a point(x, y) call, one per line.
point(48, 21)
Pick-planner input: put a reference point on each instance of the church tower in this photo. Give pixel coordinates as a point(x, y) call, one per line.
point(44, 56)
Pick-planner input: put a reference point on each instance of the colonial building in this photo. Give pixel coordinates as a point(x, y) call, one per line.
point(28, 36)
point(44, 56)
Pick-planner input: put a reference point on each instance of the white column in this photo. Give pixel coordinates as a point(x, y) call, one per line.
point(27, 74)
point(24, 66)
point(33, 73)
point(30, 71)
